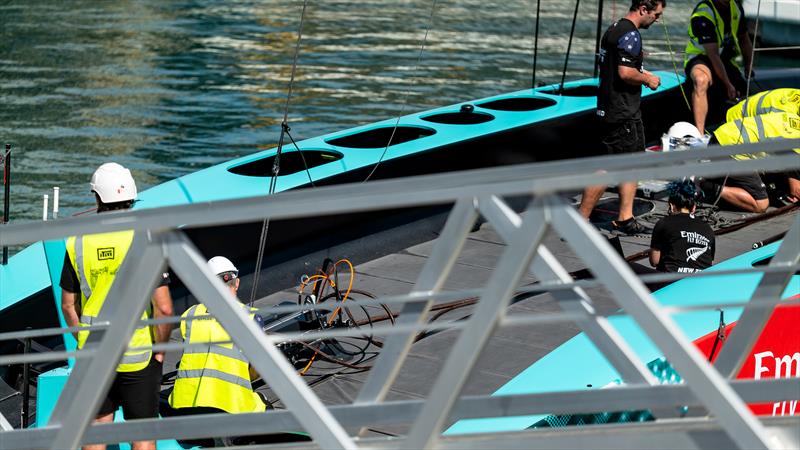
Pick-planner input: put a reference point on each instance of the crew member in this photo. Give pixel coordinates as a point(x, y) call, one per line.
point(775, 100)
point(618, 102)
point(747, 191)
point(717, 39)
point(681, 242)
point(216, 378)
point(759, 129)
point(90, 267)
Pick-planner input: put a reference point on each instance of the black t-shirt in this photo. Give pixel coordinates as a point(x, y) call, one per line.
point(70, 283)
point(686, 244)
point(706, 31)
point(617, 100)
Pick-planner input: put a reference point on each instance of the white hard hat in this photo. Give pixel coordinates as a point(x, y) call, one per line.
point(683, 130)
point(113, 183)
point(221, 265)
point(682, 136)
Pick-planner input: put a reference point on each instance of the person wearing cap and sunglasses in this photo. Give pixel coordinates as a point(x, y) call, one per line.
point(215, 378)
point(90, 268)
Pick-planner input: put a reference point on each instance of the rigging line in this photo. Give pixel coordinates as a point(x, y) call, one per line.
point(535, 43)
point(276, 165)
point(405, 96)
point(302, 156)
point(569, 46)
point(597, 38)
point(752, 55)
point(674, 65)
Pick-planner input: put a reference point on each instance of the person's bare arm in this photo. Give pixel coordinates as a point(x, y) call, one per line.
point(712, 51)
point(634, 77)
point(70, 307)
point(655, 257)
point(162, 307)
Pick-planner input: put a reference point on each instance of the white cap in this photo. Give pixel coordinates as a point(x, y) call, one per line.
point(682, 136)
point(220, 265)
point(113, 183)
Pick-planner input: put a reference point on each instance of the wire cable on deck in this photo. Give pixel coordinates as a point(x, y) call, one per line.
point(276, 165)
point(405, 96)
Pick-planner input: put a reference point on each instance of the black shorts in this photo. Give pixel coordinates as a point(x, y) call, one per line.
point(623, 137)
point(136, 392)
point(717, 88)
point(751, 183)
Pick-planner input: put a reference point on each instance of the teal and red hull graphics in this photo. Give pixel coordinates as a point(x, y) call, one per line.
point(776, 354)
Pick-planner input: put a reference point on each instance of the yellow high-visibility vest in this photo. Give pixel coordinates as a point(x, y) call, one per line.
point(707, 9)
point(758, 129)
point(775, 100)
point(216, 376)
point(96, 259)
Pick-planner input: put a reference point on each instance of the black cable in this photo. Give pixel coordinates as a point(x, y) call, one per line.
point(405, 99)
point(302, 156)
point(535, 44)
point(276, 164)
point(569, 46)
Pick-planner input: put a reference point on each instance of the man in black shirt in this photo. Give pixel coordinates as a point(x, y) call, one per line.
point(717, 37)
point(681, 242)
point(621, 81)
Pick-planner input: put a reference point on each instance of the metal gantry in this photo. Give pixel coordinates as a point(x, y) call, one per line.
point(160, 242)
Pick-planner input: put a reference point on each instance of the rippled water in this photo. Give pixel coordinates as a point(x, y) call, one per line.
point(170, 87)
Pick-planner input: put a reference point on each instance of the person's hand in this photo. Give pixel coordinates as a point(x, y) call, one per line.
point(794, 190)
point(159, 357)
point(653, 81)
point(732, 94)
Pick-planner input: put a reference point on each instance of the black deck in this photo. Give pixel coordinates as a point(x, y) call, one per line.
point(510, 350)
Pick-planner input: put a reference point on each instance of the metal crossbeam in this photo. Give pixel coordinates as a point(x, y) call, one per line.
point(431, 278)
point(191, 267)
point(91, 378)
point(741, 340)
point(631, 294)
point(597, 328)
point(472, 192)
point(489, 309)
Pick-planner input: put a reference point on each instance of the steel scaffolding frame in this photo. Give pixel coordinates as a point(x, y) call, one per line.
point(159, 241)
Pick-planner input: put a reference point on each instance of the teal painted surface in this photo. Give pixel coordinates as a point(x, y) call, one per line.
point(577, 363)
point(217, 183)
point(48, 390)
point(205, 185)
point(54, 253)
point(24, 275)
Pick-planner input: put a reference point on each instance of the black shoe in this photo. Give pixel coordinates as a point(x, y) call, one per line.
point(630, 227)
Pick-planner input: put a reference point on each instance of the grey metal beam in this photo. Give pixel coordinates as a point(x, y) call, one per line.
point(622, 398)
point(191, 267)
point(417, 191)
point(711, 388)
point(547, 268)
point(490, 307)
point(740, 343)
point(91, 378)
point(434, 273)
